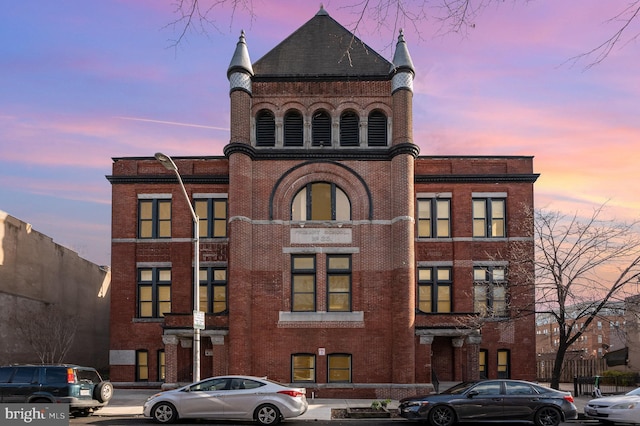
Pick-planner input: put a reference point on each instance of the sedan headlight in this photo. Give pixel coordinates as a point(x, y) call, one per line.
point(154, 396)
point(624, 406)
point(416, 403)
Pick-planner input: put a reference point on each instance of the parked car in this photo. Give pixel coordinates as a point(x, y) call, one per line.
point(80, 387)
point(229, 397)
point(492, 401)
point(615, 409)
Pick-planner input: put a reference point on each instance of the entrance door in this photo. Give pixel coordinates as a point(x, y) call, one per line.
point(442, 359)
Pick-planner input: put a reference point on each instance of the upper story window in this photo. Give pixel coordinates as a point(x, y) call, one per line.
point(349, 129)
point(212, 213)
point(154, 218)
point(489, 217)
point(321, 129)
point(434, 289)
point(154, 292)
point(377, 129)
point(434, 218)
point(265, 128)
point(293, 129)
point(320, 201)
point(213, 290)
point(303, 283)
point(338, 283)
point(490, 291)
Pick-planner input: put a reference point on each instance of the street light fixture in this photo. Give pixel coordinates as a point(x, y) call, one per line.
point(168, 164)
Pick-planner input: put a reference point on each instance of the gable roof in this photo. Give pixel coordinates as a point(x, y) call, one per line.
point(322, 49)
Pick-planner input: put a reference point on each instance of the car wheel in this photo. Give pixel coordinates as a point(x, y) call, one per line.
point(164, 412)
point(267, 414)
point(548, 416)
point(82, 413)
point(103, 391)
point(442, 415)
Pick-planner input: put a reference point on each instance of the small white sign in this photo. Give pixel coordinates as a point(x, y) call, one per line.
point(321, 351)
point(198, 320)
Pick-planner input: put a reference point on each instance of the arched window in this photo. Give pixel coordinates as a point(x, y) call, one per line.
point(293, 134)
point(265, 128)
point(321, 201)
point(321, 129)
point(377, 129)
point(349, 129)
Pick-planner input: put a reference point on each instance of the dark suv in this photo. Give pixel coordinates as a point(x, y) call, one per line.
point(80, 387)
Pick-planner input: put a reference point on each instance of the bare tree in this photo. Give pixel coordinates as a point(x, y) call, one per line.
point(48, 330)
point(582, 266)
point(451, 16)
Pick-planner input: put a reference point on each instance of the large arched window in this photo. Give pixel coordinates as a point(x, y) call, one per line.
point(321, 201)
point(293, 129)
point(349, 129)
point(377, 129)
point(265, 128)
point(321, 129)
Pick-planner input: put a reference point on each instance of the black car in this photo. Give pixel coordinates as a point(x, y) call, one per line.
point(492, 401)
point(80, 387)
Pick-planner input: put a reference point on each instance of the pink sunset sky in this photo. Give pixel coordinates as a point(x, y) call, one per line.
point(83, 81)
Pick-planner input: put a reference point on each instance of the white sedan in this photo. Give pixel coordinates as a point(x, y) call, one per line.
point(615, 409)
point(229, 397)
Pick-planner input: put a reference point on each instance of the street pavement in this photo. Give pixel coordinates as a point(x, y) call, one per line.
point(128, 402)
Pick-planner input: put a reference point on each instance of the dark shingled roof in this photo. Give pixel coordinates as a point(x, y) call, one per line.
point(322, 48)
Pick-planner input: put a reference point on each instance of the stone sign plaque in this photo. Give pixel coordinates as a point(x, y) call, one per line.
point(321, 236)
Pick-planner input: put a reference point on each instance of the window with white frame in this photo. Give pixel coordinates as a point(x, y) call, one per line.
point(154, 217)
point(435, 289)
point(212, 214)
point(490, 290)
point(434, 217)
point(154, 292)
point(489, 217)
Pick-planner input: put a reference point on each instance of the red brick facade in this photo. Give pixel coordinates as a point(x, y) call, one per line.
point(393, 348)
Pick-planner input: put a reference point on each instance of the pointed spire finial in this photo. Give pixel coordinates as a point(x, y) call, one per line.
point(321, 11)
point(241, 60)
point(402, 58)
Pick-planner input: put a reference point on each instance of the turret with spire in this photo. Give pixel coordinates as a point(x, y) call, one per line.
point(240, 70)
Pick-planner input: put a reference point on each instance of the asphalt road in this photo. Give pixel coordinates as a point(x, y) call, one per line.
point(138, 420)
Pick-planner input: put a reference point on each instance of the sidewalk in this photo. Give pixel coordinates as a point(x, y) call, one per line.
point(128, 402)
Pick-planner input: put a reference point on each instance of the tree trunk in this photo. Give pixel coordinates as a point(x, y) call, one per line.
point(557, 366)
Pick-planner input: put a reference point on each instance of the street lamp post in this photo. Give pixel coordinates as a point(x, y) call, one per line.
point(168, 164)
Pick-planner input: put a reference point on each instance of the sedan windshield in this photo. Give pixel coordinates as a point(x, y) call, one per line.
point(634, 392)
point(459, 388)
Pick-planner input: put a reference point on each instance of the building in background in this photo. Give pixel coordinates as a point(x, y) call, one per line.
point(586, 357)
point(54, 305)
point(332, 255)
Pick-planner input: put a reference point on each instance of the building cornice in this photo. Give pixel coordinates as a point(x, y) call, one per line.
point(195, 179)
point(485, 178)
point(322, 153)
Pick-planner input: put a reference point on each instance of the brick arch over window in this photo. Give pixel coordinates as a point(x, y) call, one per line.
point(343, 176)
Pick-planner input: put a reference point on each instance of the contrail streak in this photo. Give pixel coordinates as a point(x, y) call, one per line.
point(173, 123)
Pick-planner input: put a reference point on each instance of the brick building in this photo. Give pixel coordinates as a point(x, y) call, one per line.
point(332, 255)
point(604, 334)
